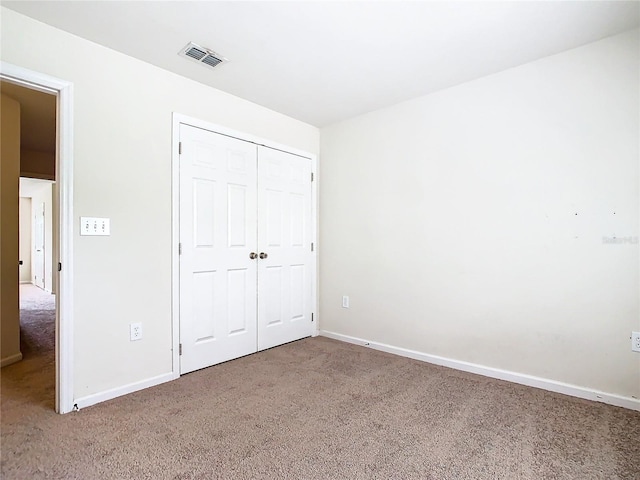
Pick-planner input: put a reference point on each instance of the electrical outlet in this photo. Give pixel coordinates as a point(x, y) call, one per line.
point(345, 302)
point(635, 341)
point(136, 331)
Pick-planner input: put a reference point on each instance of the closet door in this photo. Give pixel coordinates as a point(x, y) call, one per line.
point(284, 242)
point(217, 235)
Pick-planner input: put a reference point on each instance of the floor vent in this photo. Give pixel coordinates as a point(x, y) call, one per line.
point(202, 55)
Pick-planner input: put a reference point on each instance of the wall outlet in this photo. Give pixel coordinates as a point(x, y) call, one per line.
point(136, 331)
point(635, 341)
point(345, 302)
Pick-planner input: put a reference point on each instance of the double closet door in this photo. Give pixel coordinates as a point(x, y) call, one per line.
point(246, 254)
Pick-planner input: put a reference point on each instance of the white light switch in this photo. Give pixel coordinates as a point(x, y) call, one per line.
point(95, 226)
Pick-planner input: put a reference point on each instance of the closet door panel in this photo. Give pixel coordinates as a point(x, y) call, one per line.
point(284, 239)
point(218, 176)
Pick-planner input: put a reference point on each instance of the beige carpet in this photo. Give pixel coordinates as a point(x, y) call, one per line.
point(312, 409)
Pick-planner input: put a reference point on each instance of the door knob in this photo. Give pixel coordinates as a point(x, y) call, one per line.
point(253, 255)
point(263, 255)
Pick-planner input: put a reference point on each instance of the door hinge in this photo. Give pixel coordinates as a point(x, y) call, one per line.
point(180, 349)
point(179, 148)
point(312, 246)
point(312, 316)
point(312, 176)
point(59, 267)
point(180, 249)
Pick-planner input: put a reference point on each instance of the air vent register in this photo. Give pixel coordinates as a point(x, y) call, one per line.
point(202, 55)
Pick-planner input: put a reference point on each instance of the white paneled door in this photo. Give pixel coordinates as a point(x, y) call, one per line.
point(245, 240)
point(284, 239)
point(38, 247)
point(217, 235)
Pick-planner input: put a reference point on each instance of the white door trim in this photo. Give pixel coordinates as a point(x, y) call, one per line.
point(64, 181)
point(175, 218)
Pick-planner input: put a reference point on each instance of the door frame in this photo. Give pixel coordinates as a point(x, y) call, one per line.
point(177, 120)
point(62, 219)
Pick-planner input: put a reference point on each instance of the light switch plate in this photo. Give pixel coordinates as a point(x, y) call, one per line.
point(635, 341)
point(95, 226)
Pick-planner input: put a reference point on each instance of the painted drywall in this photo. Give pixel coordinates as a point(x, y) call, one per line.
point(478, 223)
point(9, 231)
point(35, 164)
point(25, 239)
point(122, 170)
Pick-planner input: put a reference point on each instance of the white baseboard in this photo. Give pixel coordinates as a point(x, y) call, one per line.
point(11, 359)
point(529, 380)
point(24, 282)
point(89, 400)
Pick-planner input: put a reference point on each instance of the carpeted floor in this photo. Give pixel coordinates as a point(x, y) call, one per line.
point(312, 409)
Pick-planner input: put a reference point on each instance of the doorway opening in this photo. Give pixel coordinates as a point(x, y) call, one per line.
point(37, 293)
point(41, 262)
point(36, 116)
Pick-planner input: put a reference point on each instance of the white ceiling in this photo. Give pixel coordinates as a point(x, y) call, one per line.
point(322, 62)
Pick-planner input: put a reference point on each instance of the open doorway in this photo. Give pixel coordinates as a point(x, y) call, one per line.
point(33, 378)
point(37, 292)
point(62, 227)
point(37, 244)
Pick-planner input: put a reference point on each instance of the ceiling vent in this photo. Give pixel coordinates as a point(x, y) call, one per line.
point(202, 55)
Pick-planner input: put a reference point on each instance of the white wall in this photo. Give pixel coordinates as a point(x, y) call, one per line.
point(25, 239)
point(469, 223)
point(122, 170)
